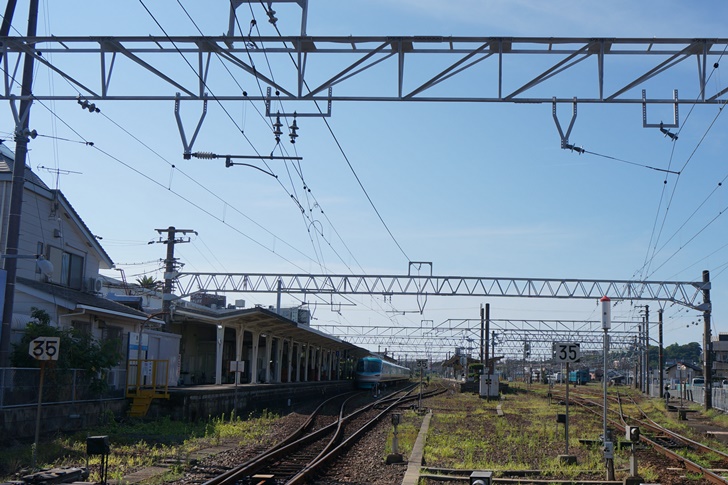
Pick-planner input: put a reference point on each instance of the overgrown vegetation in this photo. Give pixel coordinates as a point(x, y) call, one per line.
point(138, 444)
point(78, 350)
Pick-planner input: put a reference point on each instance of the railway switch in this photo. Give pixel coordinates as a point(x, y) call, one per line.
point(481, 477)
point(632, 433)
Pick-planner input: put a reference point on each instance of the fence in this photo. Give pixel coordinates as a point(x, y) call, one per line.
point(20, 386)
point(719, 396)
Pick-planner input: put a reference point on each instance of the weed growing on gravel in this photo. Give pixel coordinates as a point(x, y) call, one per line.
point(407, 431)
point(137, 443)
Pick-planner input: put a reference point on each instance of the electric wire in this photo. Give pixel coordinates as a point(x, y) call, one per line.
point(298, 170)
point(631, 163)
point(214, 97)
point(649, 258)
point(348, 162)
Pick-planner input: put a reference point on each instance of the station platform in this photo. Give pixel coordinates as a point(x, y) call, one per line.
point(195, 402)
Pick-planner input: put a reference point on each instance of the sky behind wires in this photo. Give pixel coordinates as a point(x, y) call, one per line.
point(477, 189)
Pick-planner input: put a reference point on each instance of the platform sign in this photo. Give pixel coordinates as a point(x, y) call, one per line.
point(45, 348)
point(237, 366)
point(566, 352)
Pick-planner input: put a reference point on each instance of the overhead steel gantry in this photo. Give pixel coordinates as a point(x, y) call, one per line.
point(510, 336)
point(406, 68)
point(679, 292)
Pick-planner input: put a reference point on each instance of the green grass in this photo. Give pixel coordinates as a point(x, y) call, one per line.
point(131, 446)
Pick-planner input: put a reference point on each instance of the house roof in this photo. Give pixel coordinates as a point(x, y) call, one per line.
point(689, 366)
point(79, 300)
point(35, 184)
point(7, 158)
point(267, 321)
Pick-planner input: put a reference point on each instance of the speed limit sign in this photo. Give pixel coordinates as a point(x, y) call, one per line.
point(45, 348)
point(566, 352)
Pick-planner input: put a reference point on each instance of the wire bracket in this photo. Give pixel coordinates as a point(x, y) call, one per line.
point(188, 146)
point(675, 117)
point(296, 114)
point(565, 136)
point(20, 118)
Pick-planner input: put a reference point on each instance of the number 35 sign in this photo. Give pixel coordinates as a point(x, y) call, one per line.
point(566, 352)
point(45, 348)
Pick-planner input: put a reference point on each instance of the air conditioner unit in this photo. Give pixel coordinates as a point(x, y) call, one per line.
point(94, 285)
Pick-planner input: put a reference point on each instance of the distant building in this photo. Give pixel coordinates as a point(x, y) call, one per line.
point(720, 356)
point(69, 289)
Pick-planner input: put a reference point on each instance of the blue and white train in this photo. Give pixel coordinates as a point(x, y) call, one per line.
point(372, 371)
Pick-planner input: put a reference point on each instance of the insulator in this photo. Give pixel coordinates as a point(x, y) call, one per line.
point(204, 155)
point(277, 127)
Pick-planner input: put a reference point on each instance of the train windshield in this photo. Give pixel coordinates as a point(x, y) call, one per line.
point(367, 365)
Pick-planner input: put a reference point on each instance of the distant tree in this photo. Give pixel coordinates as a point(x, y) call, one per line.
point(78, 349)
point(149, 282)
point(688, 353)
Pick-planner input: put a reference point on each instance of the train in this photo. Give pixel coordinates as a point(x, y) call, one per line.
point(373, 370)
point(579, 377)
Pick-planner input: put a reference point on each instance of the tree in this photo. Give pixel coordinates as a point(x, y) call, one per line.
point(78, 350)
point(149, 282)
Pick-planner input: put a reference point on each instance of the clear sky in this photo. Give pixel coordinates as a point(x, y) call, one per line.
point(476, 189)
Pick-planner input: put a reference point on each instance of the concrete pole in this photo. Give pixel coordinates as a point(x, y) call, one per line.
point(661, 352)
point(220, 337)
point(707, 344)
point(239, 340)
point(267, 356)
point(306, 357)
point(647, 350)
point(254, 358)
point(18, 184)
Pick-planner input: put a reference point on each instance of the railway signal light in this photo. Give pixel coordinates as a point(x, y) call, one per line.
point(632, 433)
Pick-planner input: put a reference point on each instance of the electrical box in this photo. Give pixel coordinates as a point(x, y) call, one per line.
point(608, 450)
point(481, 477)
point(97, 445)
point(561, 418)
point(489, 385)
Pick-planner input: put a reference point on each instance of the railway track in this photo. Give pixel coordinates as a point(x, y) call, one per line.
point(661, 439)
point(318, 441)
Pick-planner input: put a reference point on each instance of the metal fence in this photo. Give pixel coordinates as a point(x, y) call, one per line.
point(21, 386)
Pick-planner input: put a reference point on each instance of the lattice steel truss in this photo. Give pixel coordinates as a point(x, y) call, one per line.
point(439, 341)
point(309, 68)
point(683, 293)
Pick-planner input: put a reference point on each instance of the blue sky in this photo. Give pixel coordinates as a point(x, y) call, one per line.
point(478, 190)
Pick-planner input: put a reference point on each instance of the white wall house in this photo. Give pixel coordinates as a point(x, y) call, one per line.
point(71, 294)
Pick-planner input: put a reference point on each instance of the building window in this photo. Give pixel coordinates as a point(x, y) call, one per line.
point(81, 327)
point(68, 268)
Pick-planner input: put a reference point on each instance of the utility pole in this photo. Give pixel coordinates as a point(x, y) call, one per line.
point(482, 331)
point(486, 362)
point(660, 352)
point(170, 265)
point(492, 345)
point(647, 350)
point(707, 345)
point(22, 123)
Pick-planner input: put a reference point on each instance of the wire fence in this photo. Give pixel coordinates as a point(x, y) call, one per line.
point(21, 386)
